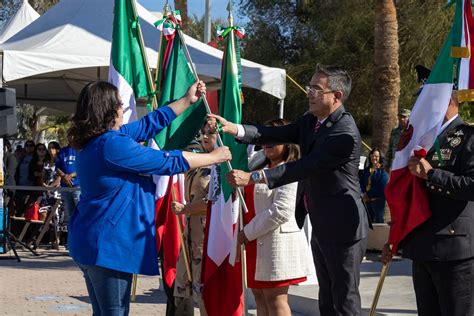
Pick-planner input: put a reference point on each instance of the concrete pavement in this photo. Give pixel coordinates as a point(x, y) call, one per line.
point(51, 284)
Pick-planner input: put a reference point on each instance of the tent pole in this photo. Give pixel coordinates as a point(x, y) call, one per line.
point(282, 108)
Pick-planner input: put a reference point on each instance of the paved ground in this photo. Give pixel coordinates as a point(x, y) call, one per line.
point(51, 284)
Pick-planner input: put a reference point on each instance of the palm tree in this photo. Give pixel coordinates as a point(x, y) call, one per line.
point(182, 5)
point(386, 91)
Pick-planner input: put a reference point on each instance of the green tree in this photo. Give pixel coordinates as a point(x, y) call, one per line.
point(296, 35)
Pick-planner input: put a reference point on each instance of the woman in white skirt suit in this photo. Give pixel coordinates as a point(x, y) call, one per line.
point(277, 251)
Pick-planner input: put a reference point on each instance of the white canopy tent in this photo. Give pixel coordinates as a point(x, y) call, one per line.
point(49, 61)
point(22, 18)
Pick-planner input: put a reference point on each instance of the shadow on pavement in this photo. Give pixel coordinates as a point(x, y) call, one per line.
point(151, 296)
point(45, 260)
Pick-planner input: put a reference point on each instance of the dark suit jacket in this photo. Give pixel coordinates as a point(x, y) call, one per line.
point(327, 173)
point(449, 233)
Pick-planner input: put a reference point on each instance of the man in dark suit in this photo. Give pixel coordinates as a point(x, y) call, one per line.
point(328, 185)
point(442, 248)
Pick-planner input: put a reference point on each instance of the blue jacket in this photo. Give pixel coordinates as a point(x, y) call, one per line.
point(379, 180)
point(113, 225)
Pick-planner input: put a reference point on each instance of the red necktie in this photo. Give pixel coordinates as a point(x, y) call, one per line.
point(317, 126)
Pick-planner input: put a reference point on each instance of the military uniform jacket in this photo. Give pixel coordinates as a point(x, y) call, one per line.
point(449, 233)
point(327, 173)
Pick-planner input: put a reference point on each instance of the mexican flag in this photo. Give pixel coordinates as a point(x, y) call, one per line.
point(174, 80)
point(406, 194)
point(166, 222)
point(127, 69)
point(220, 278)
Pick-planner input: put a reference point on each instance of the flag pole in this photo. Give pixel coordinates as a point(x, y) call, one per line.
point(243, 255)
point(160, 47)
point(181, 239)
point(378, 290)
point(154, 103)
point(220, 143)
point(208, 109)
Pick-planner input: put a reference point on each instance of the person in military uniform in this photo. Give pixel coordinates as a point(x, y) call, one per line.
point(403, 115)
point(196, 191)
point(442, 248)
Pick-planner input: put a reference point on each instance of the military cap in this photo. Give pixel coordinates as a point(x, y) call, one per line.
point(404, 112)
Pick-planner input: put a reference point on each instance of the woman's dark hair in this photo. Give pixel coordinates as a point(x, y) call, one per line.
point(292, 152)
point(33, 166)
point(55, 145)
point(96, 112)
point(381, 159)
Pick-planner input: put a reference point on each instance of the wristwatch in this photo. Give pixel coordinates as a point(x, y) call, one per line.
point(256, 176)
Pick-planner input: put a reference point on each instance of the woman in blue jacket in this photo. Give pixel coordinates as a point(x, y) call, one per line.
point(112, 231)
point(373, 181)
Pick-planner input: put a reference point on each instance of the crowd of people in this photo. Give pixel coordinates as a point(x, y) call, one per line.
point(36, 165)
point(309, 167)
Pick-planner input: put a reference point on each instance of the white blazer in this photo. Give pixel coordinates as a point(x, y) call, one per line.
point(282, 250)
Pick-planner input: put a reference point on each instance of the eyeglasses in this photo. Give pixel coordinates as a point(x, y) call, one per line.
point(29, 145)
point(41, 149)
point(315, 91)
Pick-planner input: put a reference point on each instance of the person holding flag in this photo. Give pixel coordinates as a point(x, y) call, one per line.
point(196, 192)
point(431, 187)
point(330, 144)
point(442, 248)
point(112, 232)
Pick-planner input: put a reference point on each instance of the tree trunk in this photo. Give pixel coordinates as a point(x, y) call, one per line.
point(386, 73)
point(182, 5)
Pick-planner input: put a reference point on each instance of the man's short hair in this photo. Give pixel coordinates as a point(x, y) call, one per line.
point(338, 79)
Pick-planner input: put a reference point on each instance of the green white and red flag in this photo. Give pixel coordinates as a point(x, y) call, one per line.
point(221, 278)
point(407, 194)
point(127, 70)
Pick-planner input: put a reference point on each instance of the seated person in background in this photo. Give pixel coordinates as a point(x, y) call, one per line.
point(373, 180)
point(277, 252)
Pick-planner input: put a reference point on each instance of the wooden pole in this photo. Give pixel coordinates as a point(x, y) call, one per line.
point(153, 100)
point(160, 47)
point(220, 144)
point(134, 288)
point(383, 274)
point(208, 109)
point(243, 255)
point(182, 240)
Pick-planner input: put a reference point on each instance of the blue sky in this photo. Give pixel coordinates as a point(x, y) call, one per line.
point(218, 7)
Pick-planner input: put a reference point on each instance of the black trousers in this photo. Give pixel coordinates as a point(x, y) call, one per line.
point(444, 288)
point(338, 270)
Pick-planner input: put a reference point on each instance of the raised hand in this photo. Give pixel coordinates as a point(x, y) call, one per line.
point(222, 154)
point(196, 91)
point(227, 127)
point(238, 178)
